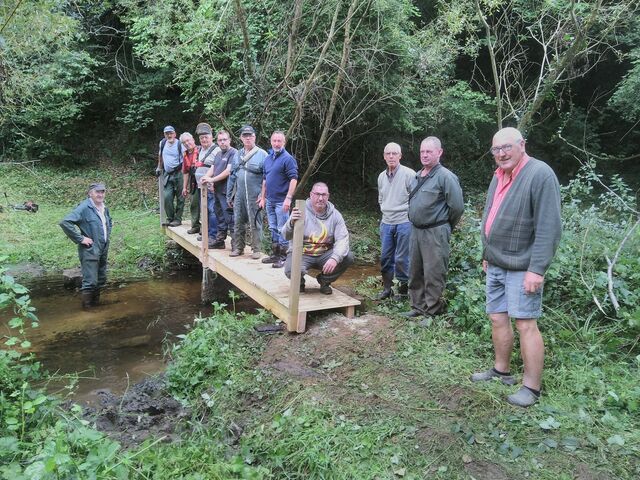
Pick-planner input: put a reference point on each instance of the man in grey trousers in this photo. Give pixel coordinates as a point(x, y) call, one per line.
point(435, 207)
point(521, 229)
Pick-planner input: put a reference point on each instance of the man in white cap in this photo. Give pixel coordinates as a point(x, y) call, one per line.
point(170, 167)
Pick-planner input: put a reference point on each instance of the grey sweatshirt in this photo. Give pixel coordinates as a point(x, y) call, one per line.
point(322, 232)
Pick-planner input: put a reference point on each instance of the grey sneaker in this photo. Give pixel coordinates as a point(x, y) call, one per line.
point(523, 398)
point(490, 375)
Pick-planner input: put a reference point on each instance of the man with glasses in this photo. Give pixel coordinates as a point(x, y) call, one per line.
point(520, 231)
point(326, 239)
point(189, 187)
point(394, 186)
point(435, 207)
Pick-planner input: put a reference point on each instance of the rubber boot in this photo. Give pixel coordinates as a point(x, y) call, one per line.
point(275, 254)
point(95, 299)
point(87, 298)
point(387, 284)
point(282, 257)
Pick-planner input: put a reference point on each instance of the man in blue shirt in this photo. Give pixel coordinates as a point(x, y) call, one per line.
point(278, 186)
point(170, 167)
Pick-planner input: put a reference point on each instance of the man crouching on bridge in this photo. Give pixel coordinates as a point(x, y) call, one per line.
point(326, 239)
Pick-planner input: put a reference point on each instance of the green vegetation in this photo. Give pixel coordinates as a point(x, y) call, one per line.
point(36, 237)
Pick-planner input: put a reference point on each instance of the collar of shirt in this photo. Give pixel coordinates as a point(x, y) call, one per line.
point(503, 181)
point(392, 173)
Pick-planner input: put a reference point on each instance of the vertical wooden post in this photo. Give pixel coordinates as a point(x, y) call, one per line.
point(163, 215)
point(293, 325)
point(204, 227)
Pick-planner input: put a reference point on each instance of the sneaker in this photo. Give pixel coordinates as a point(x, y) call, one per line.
point(256, 255)
point(490, 375)
point(193, 230)
point(235, 253)
point(413, 313)
point(175, 223)
point(523, 398)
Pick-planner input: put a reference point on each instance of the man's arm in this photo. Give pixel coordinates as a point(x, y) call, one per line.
point(286, 205)
point(340, 238)
point(547, 223)
point(69, 225)
point(453, 197)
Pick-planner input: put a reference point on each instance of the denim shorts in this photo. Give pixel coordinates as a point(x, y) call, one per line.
point(505, 293)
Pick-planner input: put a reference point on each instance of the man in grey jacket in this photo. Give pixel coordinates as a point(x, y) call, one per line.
point(326, 239)
point(520, 230)
point(89, 226)
point(435, 207)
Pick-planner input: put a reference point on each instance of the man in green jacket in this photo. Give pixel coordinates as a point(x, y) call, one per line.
point(89, 226)
point(521, 229)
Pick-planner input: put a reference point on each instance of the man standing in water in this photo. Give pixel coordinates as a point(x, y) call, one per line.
point(89, 226)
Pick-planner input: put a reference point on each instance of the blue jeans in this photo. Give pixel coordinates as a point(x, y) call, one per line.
point(395, 249)
point(213, 221)
point(277, 218)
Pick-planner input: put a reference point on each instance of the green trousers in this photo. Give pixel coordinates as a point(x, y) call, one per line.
point(173, 191)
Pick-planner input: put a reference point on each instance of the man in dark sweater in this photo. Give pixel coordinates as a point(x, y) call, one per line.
point(435, 207)
point(521, 229)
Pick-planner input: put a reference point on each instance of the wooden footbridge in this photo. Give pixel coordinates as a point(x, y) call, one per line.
point(266, 285)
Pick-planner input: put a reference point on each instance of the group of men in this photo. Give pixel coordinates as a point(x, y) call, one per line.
point(520, 227)
point(240, 184)
point(520, 233)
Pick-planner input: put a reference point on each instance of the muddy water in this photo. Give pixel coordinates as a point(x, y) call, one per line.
point(120, 342)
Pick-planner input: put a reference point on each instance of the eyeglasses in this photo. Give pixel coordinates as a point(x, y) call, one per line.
point(395, 154)
point(323, 195)
point(505, 148)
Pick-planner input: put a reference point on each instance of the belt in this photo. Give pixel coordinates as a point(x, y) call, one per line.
point(433, 225)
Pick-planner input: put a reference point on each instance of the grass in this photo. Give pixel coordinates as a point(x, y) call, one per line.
point(35, 238)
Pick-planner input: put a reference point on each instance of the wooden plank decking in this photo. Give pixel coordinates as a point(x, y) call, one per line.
point(266, 285)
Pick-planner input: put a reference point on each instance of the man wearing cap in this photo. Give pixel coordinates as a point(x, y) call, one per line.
point(170, 167)
point(89, 226)
point(244, 193)
point(280, 180)
point(217, 176)
point(190, 187)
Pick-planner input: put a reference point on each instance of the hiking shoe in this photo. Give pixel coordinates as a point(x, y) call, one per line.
point(235, 253)
point(256, 255)
point(523, 398)
point(490, 375)
point(199, 238)
point(217, 245)
point(325, 289)
point(164, 224)
point(413, 313)
point(175, 223)
point(193, 230)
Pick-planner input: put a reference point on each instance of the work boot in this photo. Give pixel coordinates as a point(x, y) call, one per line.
point(282, 257)
point(235, 253)
point(275, 254)
point(218, 245)
point(387, 284)
point(87, 298)
point(325, 288)
point(175, 223)
point(193, 230)
point(403, 289)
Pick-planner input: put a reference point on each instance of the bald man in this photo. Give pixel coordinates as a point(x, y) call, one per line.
point(394, 187)
point(521, 230)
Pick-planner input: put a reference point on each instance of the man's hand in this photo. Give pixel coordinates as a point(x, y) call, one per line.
point(86, 241)
point(286, 205)
point(532, 282)
point(158, 171)
point(185, 192)
point(260, 201)
point(329, 267)
point(295, 215)
point(485, 264)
